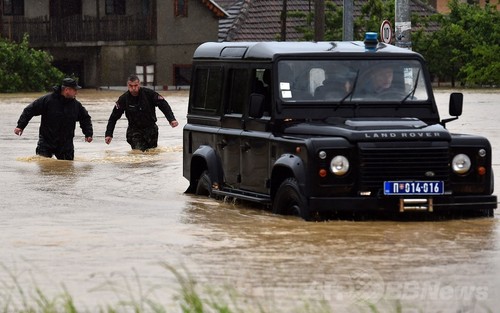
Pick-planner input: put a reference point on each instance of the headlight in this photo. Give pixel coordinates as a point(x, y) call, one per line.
point(461, 164)
point(339, 165)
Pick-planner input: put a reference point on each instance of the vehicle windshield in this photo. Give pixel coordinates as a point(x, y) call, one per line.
point(343, 81)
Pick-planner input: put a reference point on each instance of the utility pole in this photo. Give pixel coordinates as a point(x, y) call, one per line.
point(1, 18)
point(319, 20)
point(348, 24)
point(283, 20)
point(403, 24)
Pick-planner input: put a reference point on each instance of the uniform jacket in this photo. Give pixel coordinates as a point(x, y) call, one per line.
point(140, 111)
point(59, 117)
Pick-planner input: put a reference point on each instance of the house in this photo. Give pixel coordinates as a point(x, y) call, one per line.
point(103, 41)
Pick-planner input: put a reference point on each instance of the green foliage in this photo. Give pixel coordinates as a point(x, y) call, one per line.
point(333, 22)
point(26, 69)
point(373, 12)
point(465, 47)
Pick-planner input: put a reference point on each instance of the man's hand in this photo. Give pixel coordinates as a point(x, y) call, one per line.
point(18, 131)
point(108, 139)
point(88, 139)
point(174, 123)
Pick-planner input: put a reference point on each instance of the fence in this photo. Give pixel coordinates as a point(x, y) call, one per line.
point(44, 30)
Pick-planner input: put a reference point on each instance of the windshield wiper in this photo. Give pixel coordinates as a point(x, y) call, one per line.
point(412, 92)
point(350, 93)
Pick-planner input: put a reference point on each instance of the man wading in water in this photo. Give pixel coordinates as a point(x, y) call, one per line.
point(139, 105)
point(60, 111)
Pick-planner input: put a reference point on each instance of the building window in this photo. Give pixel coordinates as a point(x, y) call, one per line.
point(146, 74)
point(13, 7)
point(115, 7)
point(181, 7)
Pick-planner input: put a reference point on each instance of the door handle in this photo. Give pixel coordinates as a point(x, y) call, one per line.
point(222, 144)
point(245, 147)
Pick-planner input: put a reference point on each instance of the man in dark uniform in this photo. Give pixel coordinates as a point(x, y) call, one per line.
point(139, 105)
point(60, 111)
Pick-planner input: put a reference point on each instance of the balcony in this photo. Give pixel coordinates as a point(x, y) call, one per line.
point(45, 31)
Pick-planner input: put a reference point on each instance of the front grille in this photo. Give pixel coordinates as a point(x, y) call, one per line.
point(402, 162)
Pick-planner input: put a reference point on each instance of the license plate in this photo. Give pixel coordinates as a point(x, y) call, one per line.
point(413, 188)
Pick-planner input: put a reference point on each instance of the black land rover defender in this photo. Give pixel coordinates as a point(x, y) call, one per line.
point(307, 128)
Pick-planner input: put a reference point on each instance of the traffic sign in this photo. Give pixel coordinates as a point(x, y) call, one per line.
point(386, 31)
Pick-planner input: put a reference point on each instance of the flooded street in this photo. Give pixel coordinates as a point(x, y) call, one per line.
point(109, 225)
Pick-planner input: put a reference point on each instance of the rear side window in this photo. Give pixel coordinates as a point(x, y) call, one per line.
point(207, 93)
point(238, 91)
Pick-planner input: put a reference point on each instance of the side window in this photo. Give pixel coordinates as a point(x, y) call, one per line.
point(207, 90)
point(238, 86)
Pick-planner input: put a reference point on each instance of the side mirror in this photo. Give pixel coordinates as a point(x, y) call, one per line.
point(456, 103)
point(256, 106)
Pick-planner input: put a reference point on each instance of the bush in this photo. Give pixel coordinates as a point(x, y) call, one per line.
point(26, 69)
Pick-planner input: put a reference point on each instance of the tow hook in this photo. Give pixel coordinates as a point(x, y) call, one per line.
point(416, 204)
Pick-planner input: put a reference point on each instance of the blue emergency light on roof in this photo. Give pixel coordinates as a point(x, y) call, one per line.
point(371, 41)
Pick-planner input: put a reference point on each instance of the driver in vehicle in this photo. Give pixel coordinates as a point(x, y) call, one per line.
point(380, 81)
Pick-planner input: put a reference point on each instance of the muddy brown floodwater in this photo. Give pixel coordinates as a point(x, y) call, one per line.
point(107, 227)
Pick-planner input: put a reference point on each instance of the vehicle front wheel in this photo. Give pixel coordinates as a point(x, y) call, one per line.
point(204, 185)
point(289, 200)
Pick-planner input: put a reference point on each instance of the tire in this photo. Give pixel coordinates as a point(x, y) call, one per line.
point(204, 185)
point(289, 201)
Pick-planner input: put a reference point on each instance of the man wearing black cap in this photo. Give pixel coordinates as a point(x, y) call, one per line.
point(60, 111)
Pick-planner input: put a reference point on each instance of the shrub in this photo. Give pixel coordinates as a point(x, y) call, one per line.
point(24, 69)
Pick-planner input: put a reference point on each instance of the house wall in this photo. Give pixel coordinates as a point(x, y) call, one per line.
point(36, 8)
point(177, 39)
point(117, 62)
point(105, 63)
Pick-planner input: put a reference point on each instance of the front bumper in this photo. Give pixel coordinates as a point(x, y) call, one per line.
point(395, 203)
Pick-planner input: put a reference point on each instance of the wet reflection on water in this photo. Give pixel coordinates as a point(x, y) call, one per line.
point(104, 224)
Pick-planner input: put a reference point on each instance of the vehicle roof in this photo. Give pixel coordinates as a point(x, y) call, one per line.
point(270, 49)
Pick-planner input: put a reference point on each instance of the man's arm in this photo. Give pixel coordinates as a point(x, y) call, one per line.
point(33, 109)
point(85, 123)
point(167, 110)
point(117, 112)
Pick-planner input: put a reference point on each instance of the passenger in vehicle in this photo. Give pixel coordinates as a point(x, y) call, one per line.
point(263, 87)
point(333, 88)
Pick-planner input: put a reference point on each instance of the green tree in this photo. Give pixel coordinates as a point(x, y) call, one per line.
point(465, 48)
point(373, 12)
point(26, 69)
point(333, 22)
